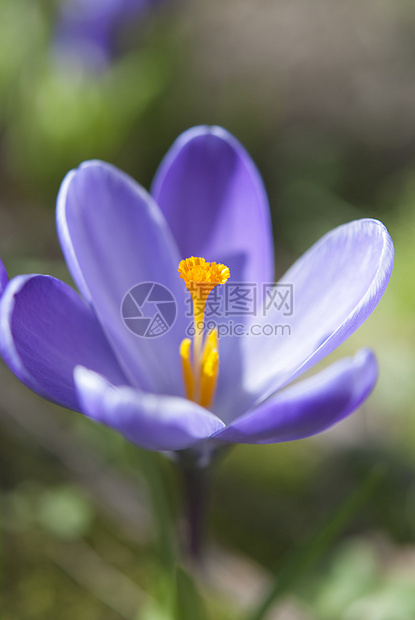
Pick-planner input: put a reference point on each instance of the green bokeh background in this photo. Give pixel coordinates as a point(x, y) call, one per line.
point(322, 95)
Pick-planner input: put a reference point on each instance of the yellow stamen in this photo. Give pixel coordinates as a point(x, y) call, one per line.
point(187, 367)
point(210, 368)
point(200, 278)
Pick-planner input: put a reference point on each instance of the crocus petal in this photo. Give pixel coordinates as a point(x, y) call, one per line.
point(46, 329)
point(150, 421)
point(215, 203)
point(3, 277)
point(309, 407)
point(336, 285)
point(114, 237)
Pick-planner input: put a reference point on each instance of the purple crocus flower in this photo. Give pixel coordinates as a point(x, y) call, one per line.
point(87, 28)
point(207, 200)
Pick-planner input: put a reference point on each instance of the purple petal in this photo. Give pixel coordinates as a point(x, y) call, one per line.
point(215, 203)
point(3, 278)
point(46, 329)
point(309, 407)
point(150, 421)
point(114, 237)
point(336, 286)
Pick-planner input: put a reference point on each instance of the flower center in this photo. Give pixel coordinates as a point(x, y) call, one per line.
point(201, 366)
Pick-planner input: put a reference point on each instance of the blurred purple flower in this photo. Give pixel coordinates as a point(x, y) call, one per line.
point(87, 29)
point(207, 200)
point(3, 277)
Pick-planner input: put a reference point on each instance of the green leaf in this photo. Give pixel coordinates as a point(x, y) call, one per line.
point(309, 553)
point(188, 604)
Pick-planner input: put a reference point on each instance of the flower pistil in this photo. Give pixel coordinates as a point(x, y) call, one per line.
point(201, 365)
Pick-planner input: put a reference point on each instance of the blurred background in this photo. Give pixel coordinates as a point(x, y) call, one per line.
point(322, 95)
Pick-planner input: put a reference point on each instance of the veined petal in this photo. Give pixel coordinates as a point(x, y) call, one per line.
point(213, 198)
point(46, 329)
point(150, 421)
point(336, 286)
point(309, 407)
point(3, 277)
point(114, 237)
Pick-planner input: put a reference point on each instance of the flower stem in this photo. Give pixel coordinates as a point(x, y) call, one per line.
point(196, 483)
